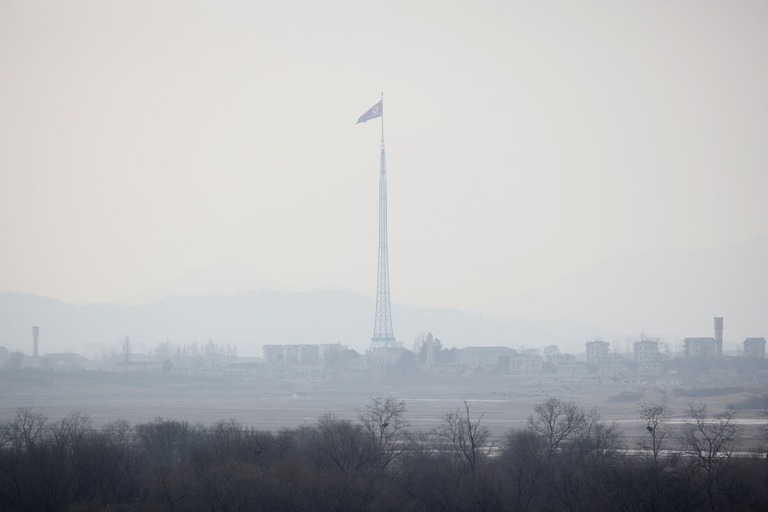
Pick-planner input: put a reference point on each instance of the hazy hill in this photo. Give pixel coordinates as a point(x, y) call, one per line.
point(251, 319)
point(669, 295)
point(666, 294)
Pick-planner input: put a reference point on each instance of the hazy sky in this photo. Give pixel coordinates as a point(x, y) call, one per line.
point(150, 147)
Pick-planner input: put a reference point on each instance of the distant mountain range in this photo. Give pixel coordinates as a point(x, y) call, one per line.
point(662, 294)
point(667, 295)
point(252, 319)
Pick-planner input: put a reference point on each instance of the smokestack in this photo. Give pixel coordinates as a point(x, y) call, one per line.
point(719, 335)
point(430, 351)
point(35, 335)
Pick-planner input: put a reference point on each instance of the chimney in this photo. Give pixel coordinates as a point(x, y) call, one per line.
point(430, 342)
point(719, 335)
point(35, 335)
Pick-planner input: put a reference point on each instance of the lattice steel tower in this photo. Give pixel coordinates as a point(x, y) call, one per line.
point(382, 328)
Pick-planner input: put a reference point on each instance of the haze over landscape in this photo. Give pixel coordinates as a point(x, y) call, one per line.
point(571, 224)
point(184, 148)
point(653, 295)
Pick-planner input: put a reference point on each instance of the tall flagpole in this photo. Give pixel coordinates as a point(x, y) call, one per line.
point(382, 329)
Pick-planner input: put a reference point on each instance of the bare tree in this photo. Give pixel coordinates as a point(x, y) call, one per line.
point(709, 443)
point(171, 486)
point(341, 444)
point(579, 464)
point(556, 421)
point(429, 475)
point(469, 439)
point(525, 465)
point(126, 354)
point(598, 439)
point(656, 479)
point(655, 418)
point(764, 433)
point(384, 421)
point(165, 441)
point(26, 429)
point(26, 433)
point(114, 463)
point(72, 429)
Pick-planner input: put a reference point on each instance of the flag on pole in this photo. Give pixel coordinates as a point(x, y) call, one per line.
point(375, 111)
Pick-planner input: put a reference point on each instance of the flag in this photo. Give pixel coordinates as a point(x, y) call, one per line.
point(375, 111)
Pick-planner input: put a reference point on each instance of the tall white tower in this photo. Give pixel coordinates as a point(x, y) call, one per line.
point(382, 327)
point(383, 336)
point(719, 335)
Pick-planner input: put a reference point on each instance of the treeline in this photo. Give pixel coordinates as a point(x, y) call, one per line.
point(566, 458)
point(210, 350)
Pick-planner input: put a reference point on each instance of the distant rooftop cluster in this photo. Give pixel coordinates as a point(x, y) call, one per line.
point(645, 361)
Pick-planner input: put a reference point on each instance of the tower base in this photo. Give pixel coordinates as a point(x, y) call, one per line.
point(383, 343)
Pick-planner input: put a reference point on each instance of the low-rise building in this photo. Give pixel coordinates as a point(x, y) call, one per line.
point(597, 350)
point(646, 350)
point(613, 370)
point(301, 354)
point(754, 348)
point(525, 364)
point(293, 354)
point(381, 359)
point(65, 361)
point(699, 347)
point(566, 364)
point(474, 357)
point(650, 368)
point(273, 353)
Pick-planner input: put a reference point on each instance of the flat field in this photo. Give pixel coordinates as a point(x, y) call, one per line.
point(504, 402)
